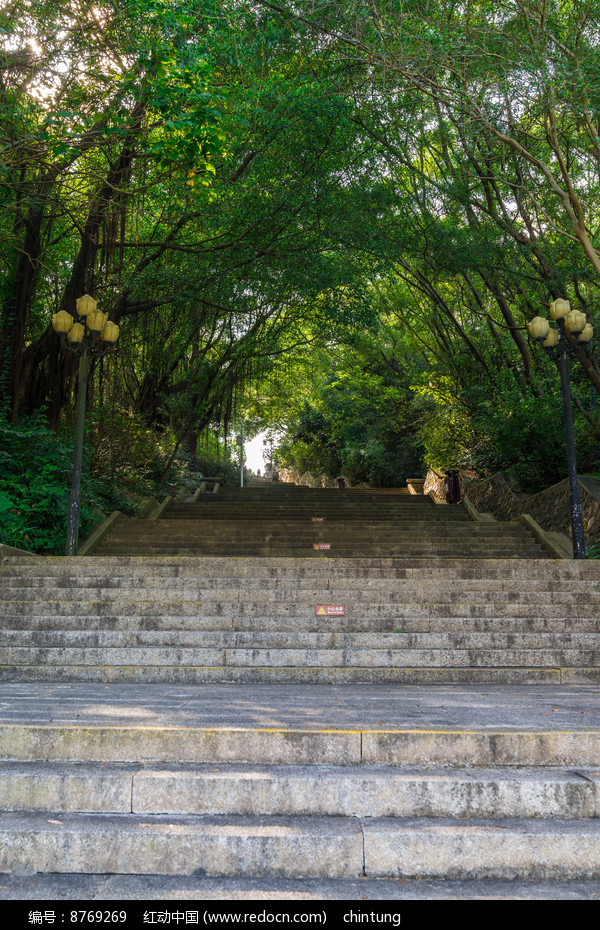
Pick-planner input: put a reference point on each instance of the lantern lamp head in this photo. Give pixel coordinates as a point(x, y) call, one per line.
point(538, 328)
point(575, 323)
point(110, 333)
point(559, 309)
point(86, 305)
point(96, 320)
point(62, 321)
point(551, 339)
point(76, 332)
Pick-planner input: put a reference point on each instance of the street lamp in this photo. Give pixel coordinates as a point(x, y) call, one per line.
point(240, 441)
point(90, 339)
point(573, 331)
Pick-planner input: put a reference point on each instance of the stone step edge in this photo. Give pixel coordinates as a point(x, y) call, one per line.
point(306, 675)
point(335, 847)
point(53, 742)
point(163, 887)
point(498, 568)
point(381, 641)
point(303, 790)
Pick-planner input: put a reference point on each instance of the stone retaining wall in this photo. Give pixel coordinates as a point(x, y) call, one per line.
point(434, 485)
point(550, 508)
point(308, 480)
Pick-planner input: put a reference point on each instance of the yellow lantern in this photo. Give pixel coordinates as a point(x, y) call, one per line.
point(575, 323)
point(587, 333)
point(110, 333)
point(86, 305)
point(76, 332)
point(551, 339)
point(559, 309)
point(62, 322)
point(96, 320)
point(538, 328)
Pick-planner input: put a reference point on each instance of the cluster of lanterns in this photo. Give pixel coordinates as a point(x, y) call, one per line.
point(96, 321)
point(576, 326)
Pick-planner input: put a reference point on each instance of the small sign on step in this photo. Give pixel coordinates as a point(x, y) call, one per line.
point(330, 610)
point(317, 519)
point(321, 545)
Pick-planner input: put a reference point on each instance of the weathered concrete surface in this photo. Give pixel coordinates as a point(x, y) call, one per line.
point(349, 707)
point(511, 849)
point(80, 787)
point(310, 752)
point(349, 791)
point(294, 847)
point(67, 887)
point(195, 621)
point(180, 744)
point(357, 791)
point(280, 724)
point(297, 847)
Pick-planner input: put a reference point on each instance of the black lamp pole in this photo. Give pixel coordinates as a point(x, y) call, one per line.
point(75, 495)
point(95, 337)
point(562, 350)
point(574, 332)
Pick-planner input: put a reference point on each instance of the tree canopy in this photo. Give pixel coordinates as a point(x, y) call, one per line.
point(331, 216)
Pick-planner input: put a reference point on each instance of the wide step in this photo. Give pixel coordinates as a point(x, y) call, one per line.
point(338, 621)
point(223, 845)
point(203, 800)
point(295, 522)
point(349, 791)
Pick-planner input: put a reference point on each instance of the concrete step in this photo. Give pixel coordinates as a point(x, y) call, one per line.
point(524, 848)
point(300, 610)
point(99, 887)
point(285, 578)
point(296, 591)
point(161, 621)
point(442, 571)
point(299, 540)
point(384, 518)
point(236, 529)
point(279, 552)
point(325, 847)
point(169, 669)
point(294, 639)
point(292, 524)
point(110, 732)
point(214, 845)
point(313, 675)
point(176, 619)
point(318, 790)
point(351, 659)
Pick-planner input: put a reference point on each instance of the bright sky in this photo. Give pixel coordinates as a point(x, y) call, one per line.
point(254, 453)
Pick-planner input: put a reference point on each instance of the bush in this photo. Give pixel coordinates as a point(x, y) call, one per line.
point(526, 436)
point(35, 481)
point(36, 471)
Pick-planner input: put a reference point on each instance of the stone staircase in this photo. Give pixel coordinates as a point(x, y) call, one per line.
point(114, 797)
point(106, 775)
point(192, 620)
point(290, 521)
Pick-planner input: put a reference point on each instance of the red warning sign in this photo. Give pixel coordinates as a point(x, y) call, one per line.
point(330, 610)
point(321, 545)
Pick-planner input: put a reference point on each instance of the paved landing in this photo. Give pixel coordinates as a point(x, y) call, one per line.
point(343, 707)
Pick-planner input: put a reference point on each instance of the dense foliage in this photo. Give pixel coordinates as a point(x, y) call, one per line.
point(333, 219)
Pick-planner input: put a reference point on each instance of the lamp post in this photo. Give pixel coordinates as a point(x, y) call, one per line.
point(573, 331)
point(90, 339)
point(240, 441)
